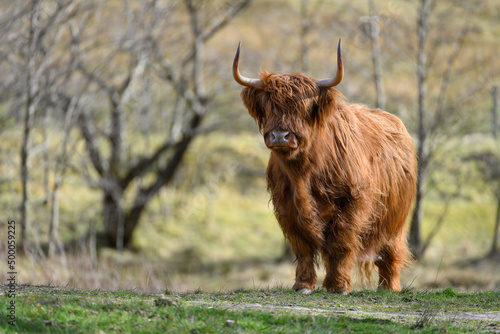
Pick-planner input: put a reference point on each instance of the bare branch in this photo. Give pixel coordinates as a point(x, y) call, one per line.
point(219, 23)
point(440, 111)
point(145, 164)
point(197, 51)
point(88, 133)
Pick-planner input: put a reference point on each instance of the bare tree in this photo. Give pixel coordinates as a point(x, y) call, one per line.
point(432, 117)
point(32, 60)
point(185, 75)
point(30, 107)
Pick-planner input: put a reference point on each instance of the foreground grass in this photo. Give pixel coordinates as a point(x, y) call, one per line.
point(62, 310)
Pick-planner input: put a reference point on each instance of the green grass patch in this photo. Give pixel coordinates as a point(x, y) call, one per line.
point(62, 310)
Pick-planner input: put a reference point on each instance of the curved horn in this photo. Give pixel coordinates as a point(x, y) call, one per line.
point(244, 81)
point(340, 71)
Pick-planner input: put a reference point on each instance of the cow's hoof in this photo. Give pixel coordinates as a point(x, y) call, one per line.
point(304, 291)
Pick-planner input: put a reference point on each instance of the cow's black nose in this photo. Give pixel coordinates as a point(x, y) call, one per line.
point(280, 137)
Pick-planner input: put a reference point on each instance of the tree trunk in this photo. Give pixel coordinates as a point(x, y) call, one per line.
point(415, 238)
point(54, 240)
point(164, 176)
point(113, 218)
point(495, 251)
point(46, 158)
point(28, 112)
point(494, 111)
point(119, 224)
point(25, 226)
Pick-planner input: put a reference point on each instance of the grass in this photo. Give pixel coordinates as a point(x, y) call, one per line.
point(47, 309)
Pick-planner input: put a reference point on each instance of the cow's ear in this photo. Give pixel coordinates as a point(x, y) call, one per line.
point(252, 103)
point(325, 105)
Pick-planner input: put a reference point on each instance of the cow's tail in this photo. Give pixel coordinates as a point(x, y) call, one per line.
point(365, 274)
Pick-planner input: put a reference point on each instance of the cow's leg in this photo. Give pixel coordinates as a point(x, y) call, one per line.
point(342, 243)
point(390, 261)
point(338, 267)
point(305, 274)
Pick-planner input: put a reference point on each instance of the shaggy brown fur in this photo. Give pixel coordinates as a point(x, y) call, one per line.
point(346, 189)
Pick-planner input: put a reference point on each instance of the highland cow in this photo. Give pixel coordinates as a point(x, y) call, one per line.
point(341, 176)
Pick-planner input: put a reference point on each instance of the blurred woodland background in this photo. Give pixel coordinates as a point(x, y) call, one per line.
point(129, 161)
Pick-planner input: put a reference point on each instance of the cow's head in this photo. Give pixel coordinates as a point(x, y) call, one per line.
point(286, 106)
